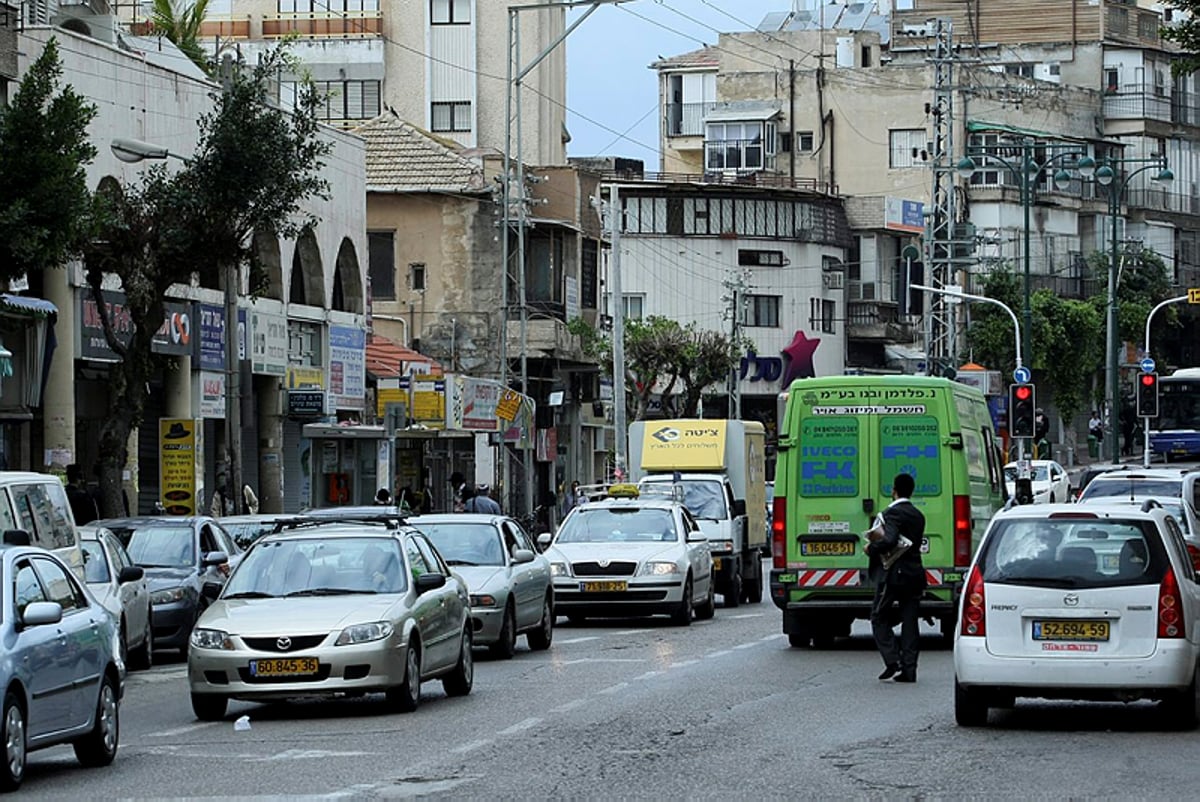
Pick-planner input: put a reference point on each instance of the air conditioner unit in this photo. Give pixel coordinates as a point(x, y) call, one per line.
point(834, 280)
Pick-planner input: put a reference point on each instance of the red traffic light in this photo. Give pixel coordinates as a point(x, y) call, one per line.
point(1148, 379)
point(1023, 392)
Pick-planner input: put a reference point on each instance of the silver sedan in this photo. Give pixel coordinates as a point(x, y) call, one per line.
point(509, 581)
point(121, 588)
point(333, 608)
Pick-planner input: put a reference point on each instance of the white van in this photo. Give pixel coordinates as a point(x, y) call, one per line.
point(36, 503)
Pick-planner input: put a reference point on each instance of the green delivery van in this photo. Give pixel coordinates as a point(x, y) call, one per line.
point(841, 441)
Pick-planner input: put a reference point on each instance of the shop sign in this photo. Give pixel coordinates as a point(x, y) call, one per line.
point(348, 366)
point(92, 343)
point(212, 394)
point(306, 404)
point(429, 401)
point(304, 378)
point(268, 343)
point(473, 407)
point(178, 451)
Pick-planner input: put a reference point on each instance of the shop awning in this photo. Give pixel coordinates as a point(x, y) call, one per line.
point(27, 306)
point(388, 359)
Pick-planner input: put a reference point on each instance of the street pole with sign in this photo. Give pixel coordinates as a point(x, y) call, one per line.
point(1147, 365)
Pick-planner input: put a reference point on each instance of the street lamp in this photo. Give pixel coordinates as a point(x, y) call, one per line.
point(1108, 176)
point(1029, 171)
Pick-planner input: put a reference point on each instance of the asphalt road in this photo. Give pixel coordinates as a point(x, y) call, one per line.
point(639, 709)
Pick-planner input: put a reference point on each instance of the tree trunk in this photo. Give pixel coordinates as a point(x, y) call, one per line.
point(114, 440)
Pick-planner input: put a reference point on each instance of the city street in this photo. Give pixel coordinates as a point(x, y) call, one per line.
point(723, 709)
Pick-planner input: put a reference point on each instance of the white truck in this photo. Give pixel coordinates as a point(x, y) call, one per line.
point(721, 467)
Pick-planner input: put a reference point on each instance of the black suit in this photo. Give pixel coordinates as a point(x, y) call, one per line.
point(903, 584)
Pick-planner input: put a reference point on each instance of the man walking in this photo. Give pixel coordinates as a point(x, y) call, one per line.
point(480, 501)
point(899, 579)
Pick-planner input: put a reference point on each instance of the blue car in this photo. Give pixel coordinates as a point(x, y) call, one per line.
point(60, 662)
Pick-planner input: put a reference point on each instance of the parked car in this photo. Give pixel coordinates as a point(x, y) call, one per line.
point(631, 554)
point(62, 672)
point(187, 560)
point(1135, 485)
point(37, 503)
point(333, 608)
point(1051, 484)
point(507, 578)
point(121, 588)
point(245, 529)
point(1088, 602)
point(1092, 471)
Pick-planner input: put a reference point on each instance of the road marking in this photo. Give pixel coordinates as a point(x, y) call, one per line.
point(578, 640)
point(304, 754)
point(746, 645)
point(620, 686)
point(631, 632)
point(580, 660)
point(521, 726)
point(568, 706)
point(721, 653)
point(745, 615)
point(199, 725)
point(683, 663)
point(647, 675)
point(471, 746)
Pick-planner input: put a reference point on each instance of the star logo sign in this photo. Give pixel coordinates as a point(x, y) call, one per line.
point(799, 356)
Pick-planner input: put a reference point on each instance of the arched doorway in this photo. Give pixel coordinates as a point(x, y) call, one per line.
point(306, 283)
point(347, 294)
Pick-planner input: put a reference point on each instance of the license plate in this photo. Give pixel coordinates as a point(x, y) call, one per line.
point(284, 667)
point(716, 563)
point(827, 548)
point(1070, 630)
point(603, 587)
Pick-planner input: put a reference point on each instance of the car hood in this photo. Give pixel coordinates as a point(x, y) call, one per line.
point(640, 552)
point(163, 578)
point(312, 614)
point(478, 577)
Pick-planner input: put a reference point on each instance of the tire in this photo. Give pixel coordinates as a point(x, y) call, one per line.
point(1178, 708)
point(459, 681)
point(209, 706)
point(733, 593)
point(539, 639)
point(947, 624)
point(800, 634)
point(708, 607)
point(799, 640)
point(504, 648)
point(681, 616)
point(142, 658)
point(754, 592)
point(405, 697)
point(15, 745)
point(99, 747)
point(970, 706)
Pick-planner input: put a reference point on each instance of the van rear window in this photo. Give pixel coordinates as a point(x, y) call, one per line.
point(829, 456)
point(910, 444)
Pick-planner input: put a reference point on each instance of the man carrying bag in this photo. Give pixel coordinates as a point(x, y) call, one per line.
point(895, 567)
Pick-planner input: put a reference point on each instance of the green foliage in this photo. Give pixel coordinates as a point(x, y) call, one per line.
point(181, 24)
point(1186, 34)
point(1143, 282)
point(1069, 339)
point(990, 337)
point(44, 198)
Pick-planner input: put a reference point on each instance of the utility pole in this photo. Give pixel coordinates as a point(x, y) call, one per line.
point(233, 362)
point(616, 219)
point(939, 249)
point(736, 285)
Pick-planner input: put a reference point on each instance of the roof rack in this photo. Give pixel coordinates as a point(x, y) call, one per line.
point(391, 520)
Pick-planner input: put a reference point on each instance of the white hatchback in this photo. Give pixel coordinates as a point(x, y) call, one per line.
point(1079, 602)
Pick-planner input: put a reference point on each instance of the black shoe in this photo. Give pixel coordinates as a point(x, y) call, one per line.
point(889, 672)
point(906, 676)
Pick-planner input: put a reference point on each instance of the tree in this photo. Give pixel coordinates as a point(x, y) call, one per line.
point(44, 198)
point(990, 340)
point(1143, 281)
point(255, 164)
point(1186, 34)
point(708, 358)
point(1069, 337)
point(181, 24)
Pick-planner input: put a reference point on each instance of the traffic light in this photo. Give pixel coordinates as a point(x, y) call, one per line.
point(1021, 410)
point(1147, 395)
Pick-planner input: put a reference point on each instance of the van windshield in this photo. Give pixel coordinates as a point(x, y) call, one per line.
point(703, 498)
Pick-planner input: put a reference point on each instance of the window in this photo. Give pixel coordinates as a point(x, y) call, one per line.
point(864, 59)
point(828, 313)
point(416, 560)
point(763, 310)
point(41, 510)
point(804, 141)
point(59, 586)
point(634, 306)
point(431, 556)
point(450, 12)
point(339, 100)
point(416, 277)
point(26, 588)
point(381, 257)
point(95, 566)
point(748, 258)
point(1111, 81)
point(450, 116)
point(738, 145)
point(907, 147)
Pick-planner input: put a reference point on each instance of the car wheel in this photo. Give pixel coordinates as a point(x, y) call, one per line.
point(800, 632)
point(754, 592)
point(970, 706)
point(682, 616)
point(209, 706)
point(14, 743)
point(459, 681)
point(99, 747)
point(708, 607)
point(539, 639)
point(506, 646)
point(733, 593)
point(405, 697)
point(1178, 708)
point(142, 658)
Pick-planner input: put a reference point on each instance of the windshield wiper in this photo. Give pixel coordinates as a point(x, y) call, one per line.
point(460, 562)
point(327, 592)
point(250, 594)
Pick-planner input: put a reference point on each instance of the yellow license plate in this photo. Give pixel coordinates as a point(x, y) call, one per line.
point(716, 563)
point(1071, 630)
point(284, 667)
point(604, 587)
point(827, 548)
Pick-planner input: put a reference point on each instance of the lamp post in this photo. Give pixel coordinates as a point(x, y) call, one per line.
point(1030, 171)
point(1108, 176)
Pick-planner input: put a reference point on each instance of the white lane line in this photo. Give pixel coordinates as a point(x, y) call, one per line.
point(721, 653)
point(580, 660)
point(199, 725)
point(745, 615)
point(683, 663)
point(647, 675)
point(746, 645)
point(631, 632)
point(471, 746)
point(521, 726)
point(578, 640)
point(620, 686)
point(568, 706)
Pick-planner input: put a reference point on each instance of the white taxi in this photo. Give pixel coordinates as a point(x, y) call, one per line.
point(1087, 602)
point(631, 553)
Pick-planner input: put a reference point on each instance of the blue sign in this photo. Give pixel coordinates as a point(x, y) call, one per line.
point(1147, 365)
point(212, 336)
point(1022, 375)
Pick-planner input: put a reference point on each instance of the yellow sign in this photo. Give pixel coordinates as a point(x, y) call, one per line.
point(697, 445)
point(509, 405)
point(429, 401)
point(305, 378)
point(1194, 295)
point(177, 452)
point(385, 396)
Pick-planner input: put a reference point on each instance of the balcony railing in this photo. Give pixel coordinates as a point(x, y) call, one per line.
point(342, 23)
point(687, 119)
point(1139, 102)
point(876, 320)
point(772, 180)
point(225, 26)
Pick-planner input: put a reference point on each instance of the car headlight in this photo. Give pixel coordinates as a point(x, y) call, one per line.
point(560, 569)
point(364, 633)
point(483, 600)
point(168, 595)
point(658, 569)
point(211, 639)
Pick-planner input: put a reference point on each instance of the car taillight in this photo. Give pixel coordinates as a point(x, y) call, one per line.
point(1170, 607)
point(962, 531)
point(779, 533)
point(974, 617)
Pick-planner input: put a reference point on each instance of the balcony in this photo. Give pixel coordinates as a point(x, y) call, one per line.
point(1140, 102)
point(772, 180)
point(365, 24)
point(741, 155)
point(225, 26)
point(544, 337)
point(876, 320)
point(687, 119)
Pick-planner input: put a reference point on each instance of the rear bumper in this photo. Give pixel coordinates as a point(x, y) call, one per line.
point(1170, 667)
point(858, 599)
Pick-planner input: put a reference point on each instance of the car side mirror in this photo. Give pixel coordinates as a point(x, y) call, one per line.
point(522, 556)
point(130, 573)
point(16, 537)
point(427, 582)
point(40, 613)
point(544, 539)
point(214, 558)
point(210, 591)
point(739, 507)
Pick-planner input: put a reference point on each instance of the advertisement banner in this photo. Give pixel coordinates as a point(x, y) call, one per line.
point(429, 401)
point(348, 366)
point(304, 378)
point(174, 336)
point(475, 404)
point(92, 343)
point(177, 455)
point(684, 445)
point(212, 394)
point(268, 343)
point(211, 336)
point(903, 215)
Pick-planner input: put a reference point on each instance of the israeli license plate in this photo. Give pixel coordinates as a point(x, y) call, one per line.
point(1081, 630)
point(827, 548)
point(610, 586)
point(284, 667)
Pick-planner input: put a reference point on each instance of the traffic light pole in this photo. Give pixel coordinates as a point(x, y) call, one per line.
point(1146, 341)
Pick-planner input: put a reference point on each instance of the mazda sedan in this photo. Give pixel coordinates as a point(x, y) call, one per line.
point(329, 609)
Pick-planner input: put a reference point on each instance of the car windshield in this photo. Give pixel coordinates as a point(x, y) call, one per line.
point(466, 543)
point(703, 498)
point(159, 546)
point(1037, 473)
point(1132, 487)
point(246, 532)
point(318, 567)
point(618, 525)
point(95, 567)
point(1074, 553)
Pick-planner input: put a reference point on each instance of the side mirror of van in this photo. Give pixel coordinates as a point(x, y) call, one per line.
point(739, 507)
point(543, 540)
point(16, 537)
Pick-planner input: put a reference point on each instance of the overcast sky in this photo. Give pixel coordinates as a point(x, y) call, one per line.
point(610, 90)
